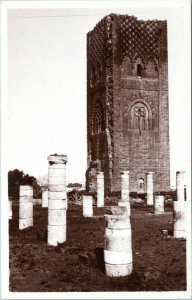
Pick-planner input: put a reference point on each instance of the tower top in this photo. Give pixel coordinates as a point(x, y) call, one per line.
point(136, 39)
point(132, 20)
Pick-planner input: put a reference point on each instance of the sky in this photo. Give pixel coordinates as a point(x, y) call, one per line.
point(46, 102)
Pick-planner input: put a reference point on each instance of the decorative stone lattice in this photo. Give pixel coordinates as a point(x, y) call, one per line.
point(140, 39)
point(109, 88)
point(98, 46)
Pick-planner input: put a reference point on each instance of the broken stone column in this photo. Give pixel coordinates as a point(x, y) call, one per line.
point(150, 188)
point(125, 190)
point(100, 189)
point(45, 198)
point(57, 202)
point(118, 246)
point(25, 206)
point(159, 205)
point(179, 219)
point(10, 210)
point(87, 206)
point(180, 185)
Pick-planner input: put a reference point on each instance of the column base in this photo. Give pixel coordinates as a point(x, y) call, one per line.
point(118, 270)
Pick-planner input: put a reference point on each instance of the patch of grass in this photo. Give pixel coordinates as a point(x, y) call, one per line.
point(159, 262)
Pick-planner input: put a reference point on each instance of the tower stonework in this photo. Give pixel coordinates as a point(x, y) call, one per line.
point(127, 103)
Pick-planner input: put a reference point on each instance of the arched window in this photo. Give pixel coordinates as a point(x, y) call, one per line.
point(141, 185)
point(139, 116)
point(139, 70)
point(98, 121)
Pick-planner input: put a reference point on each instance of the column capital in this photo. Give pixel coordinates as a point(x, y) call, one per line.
point(100, 173)
point(180, 172)
point(57, 159)
point(124, 172)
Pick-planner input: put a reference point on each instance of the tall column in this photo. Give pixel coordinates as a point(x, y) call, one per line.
point(87, 206)
point(125, 186)
point(159, 205)
point(125, 191)
point(45, 198)
point(57, 199)
point(25, 206)
point(100, 189)
point(180, 185)
point(150, 188)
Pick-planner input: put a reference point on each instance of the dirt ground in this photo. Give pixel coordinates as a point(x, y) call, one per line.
point(159, 261)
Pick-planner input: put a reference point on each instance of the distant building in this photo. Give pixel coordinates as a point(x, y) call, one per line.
point(127, 102)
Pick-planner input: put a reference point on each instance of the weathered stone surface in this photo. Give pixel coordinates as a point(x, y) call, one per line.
point(100, 189)
point(127, 205)
point(25, 191)
point(45, 198)
point(150, 188)
point(159, 205)
point(57, 159)
point(25, 223)
point(37, 201)
point(116, 210)
point(117, 244)
point(25, 206)
point(179, 215)
point(127, 102)
point(180, 175)
point(117, 221)
point(57, 202)
point(125, 186)
point(87, 206)
point(56, 234)
point(118, 270)
point(57, 217)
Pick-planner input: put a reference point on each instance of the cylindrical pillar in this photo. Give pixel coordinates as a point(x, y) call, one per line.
point(125, 191)
point(150, 188)
point(125, 186)
point(87, 206)
point(57, 202)
point(118, 247)
point(45, 198)
point(10, 210)
point(179, 219)
point(100, 189)
point(25, 206)
point(180, 185)
point(159, 205)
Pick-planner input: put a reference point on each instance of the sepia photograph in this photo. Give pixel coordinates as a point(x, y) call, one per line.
point(96, 149)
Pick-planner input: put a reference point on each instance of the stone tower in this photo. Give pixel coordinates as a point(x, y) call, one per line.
point(127, 102)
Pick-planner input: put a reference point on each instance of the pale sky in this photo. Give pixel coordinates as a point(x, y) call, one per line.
point(47, 85)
